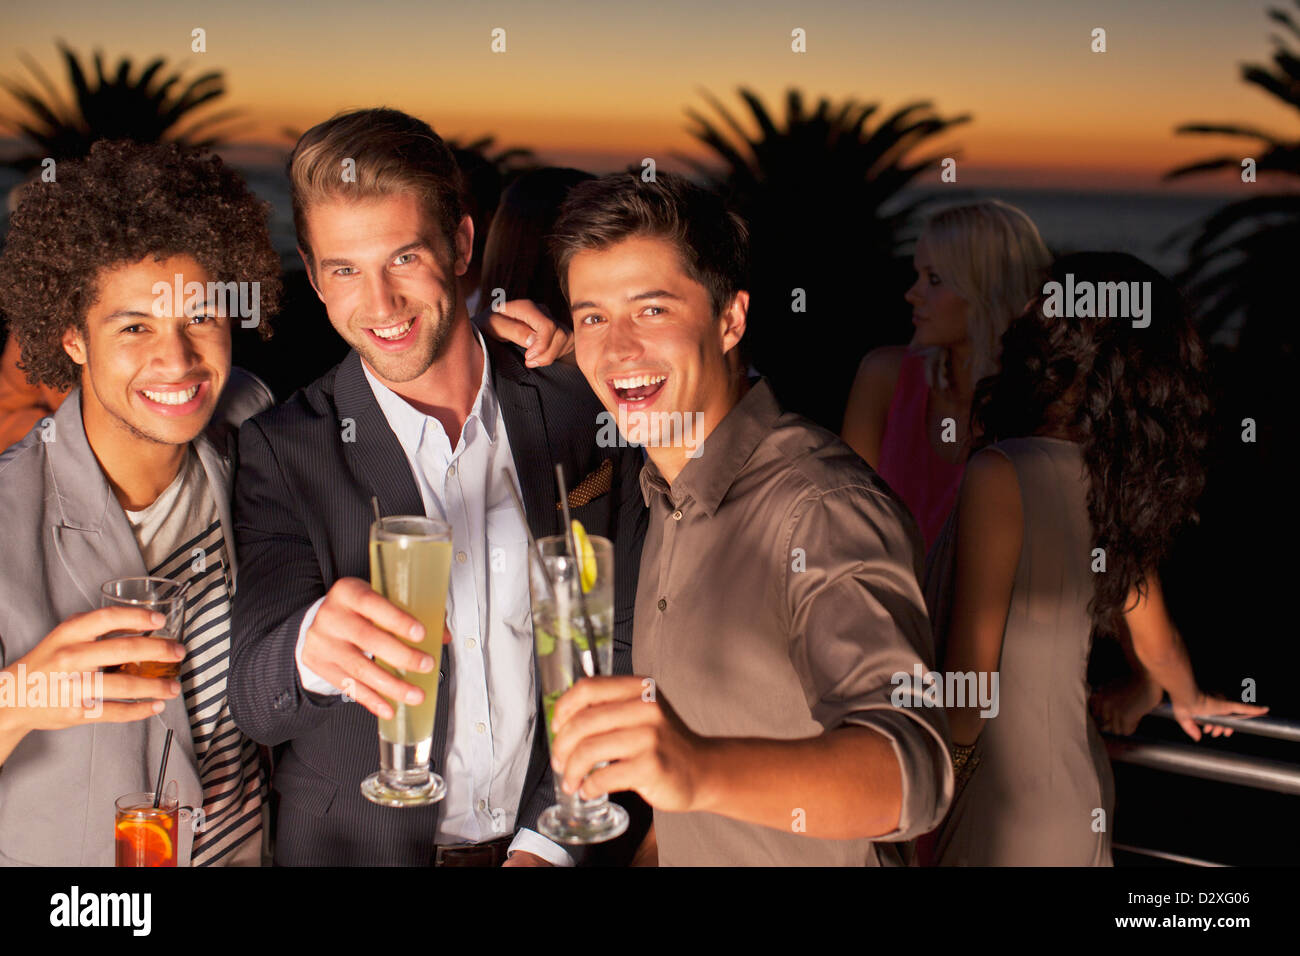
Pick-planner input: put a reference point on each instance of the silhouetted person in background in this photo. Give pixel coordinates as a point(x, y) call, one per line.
point(480, 193)
point(515, 258)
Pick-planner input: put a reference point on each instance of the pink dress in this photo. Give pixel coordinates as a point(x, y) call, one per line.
point(908, 463)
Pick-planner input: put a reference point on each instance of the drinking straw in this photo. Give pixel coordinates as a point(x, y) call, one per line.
point(571, 546)
point(162, 770)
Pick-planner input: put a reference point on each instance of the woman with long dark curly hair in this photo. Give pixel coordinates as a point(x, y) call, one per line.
point(1087, 461)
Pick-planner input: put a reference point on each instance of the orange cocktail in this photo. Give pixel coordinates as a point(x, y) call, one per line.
point(145, 835)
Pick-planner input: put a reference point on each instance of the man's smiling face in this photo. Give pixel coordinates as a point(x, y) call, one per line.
point(388, 279)
point(151, 369)
point(647, 339)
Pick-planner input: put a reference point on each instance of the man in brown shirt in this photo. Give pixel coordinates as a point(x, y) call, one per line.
point(777, 600)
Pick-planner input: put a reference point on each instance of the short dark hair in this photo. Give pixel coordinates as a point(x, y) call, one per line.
point(390, 152)
point(122, 202)
point(713, 242)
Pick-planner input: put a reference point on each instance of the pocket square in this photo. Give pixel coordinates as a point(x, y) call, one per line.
point(593, 486)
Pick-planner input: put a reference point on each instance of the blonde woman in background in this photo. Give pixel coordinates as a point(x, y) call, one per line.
point(977, 267)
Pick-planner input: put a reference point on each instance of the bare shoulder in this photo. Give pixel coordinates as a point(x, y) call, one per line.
point(869, 399)
point(990, 493)
point(990, 472)
point(880, 366)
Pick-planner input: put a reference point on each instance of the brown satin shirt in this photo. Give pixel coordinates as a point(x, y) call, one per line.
point(778, 595)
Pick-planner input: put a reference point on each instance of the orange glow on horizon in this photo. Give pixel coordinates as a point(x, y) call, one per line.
point(616, 83)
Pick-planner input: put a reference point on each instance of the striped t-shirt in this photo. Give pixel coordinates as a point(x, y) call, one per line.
point(180, 539)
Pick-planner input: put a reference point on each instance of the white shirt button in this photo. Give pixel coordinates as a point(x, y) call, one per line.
point(481, 727)
point(460, 557)
point(451, 471)
point(482, 804)
point(471, 643)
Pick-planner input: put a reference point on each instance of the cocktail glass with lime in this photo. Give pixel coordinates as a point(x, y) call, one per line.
point(573, 626)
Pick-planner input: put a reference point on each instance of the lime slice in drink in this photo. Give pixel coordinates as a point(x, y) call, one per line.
point(545, 643)
point(549, 703)
point(586, 555)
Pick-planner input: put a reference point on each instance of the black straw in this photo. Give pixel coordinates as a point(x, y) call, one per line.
point(571, 546)
point(162, 771)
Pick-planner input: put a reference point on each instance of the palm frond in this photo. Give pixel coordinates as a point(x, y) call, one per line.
point(1284, 18)
point(111, 102)
point(812, 188)
point(1240, 258)
point(1226, 129)
point(1286, 90)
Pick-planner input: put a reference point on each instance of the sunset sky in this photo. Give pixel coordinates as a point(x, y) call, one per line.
point(601, 85)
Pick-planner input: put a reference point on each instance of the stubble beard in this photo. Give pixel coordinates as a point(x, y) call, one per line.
point(440, 337)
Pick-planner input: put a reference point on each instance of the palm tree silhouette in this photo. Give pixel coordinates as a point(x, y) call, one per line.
point(146, 107)
point(1241, 275)
point(816, 192)
point(1241, 264)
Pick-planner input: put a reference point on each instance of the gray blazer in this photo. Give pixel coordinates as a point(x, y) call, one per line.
point(62, 534)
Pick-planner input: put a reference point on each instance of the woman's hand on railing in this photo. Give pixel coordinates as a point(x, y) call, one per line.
point(1211, 705)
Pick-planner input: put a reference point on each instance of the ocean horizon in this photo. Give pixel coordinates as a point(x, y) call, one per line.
point(1155, 225)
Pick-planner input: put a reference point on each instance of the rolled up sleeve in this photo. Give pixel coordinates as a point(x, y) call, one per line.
point(858, 627)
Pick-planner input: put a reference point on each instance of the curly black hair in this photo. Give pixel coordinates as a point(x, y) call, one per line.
point(1136, 399)
point(122, 202)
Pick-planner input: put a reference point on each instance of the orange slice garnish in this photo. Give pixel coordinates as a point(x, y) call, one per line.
point(147, 836)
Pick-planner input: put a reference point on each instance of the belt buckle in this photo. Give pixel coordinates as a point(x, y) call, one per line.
point(466, 854)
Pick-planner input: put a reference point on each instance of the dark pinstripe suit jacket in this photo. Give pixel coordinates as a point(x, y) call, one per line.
point(302, 517)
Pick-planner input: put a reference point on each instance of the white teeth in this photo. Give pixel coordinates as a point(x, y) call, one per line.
point(396, 332)
point(171, 398)
point(637, 381)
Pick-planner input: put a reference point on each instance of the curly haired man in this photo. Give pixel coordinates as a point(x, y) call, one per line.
point(130, 477)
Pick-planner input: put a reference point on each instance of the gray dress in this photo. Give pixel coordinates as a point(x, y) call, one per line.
point(1042, 794)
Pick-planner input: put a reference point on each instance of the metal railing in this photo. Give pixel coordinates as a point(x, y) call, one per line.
point(1190, 760)
point(1264, 726)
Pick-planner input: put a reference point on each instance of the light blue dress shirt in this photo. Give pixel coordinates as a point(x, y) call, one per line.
point(493, 713)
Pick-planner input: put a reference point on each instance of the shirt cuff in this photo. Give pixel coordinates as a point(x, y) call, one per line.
point(924, 766)
point(532, 842)
point(311, 681)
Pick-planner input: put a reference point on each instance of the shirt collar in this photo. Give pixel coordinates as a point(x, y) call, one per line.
point(408, 423)
point(706, 479)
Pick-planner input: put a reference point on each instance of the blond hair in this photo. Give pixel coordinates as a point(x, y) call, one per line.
point(364, 154)
point(991, 255)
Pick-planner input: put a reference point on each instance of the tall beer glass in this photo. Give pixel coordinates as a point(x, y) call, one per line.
point(410, 565)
